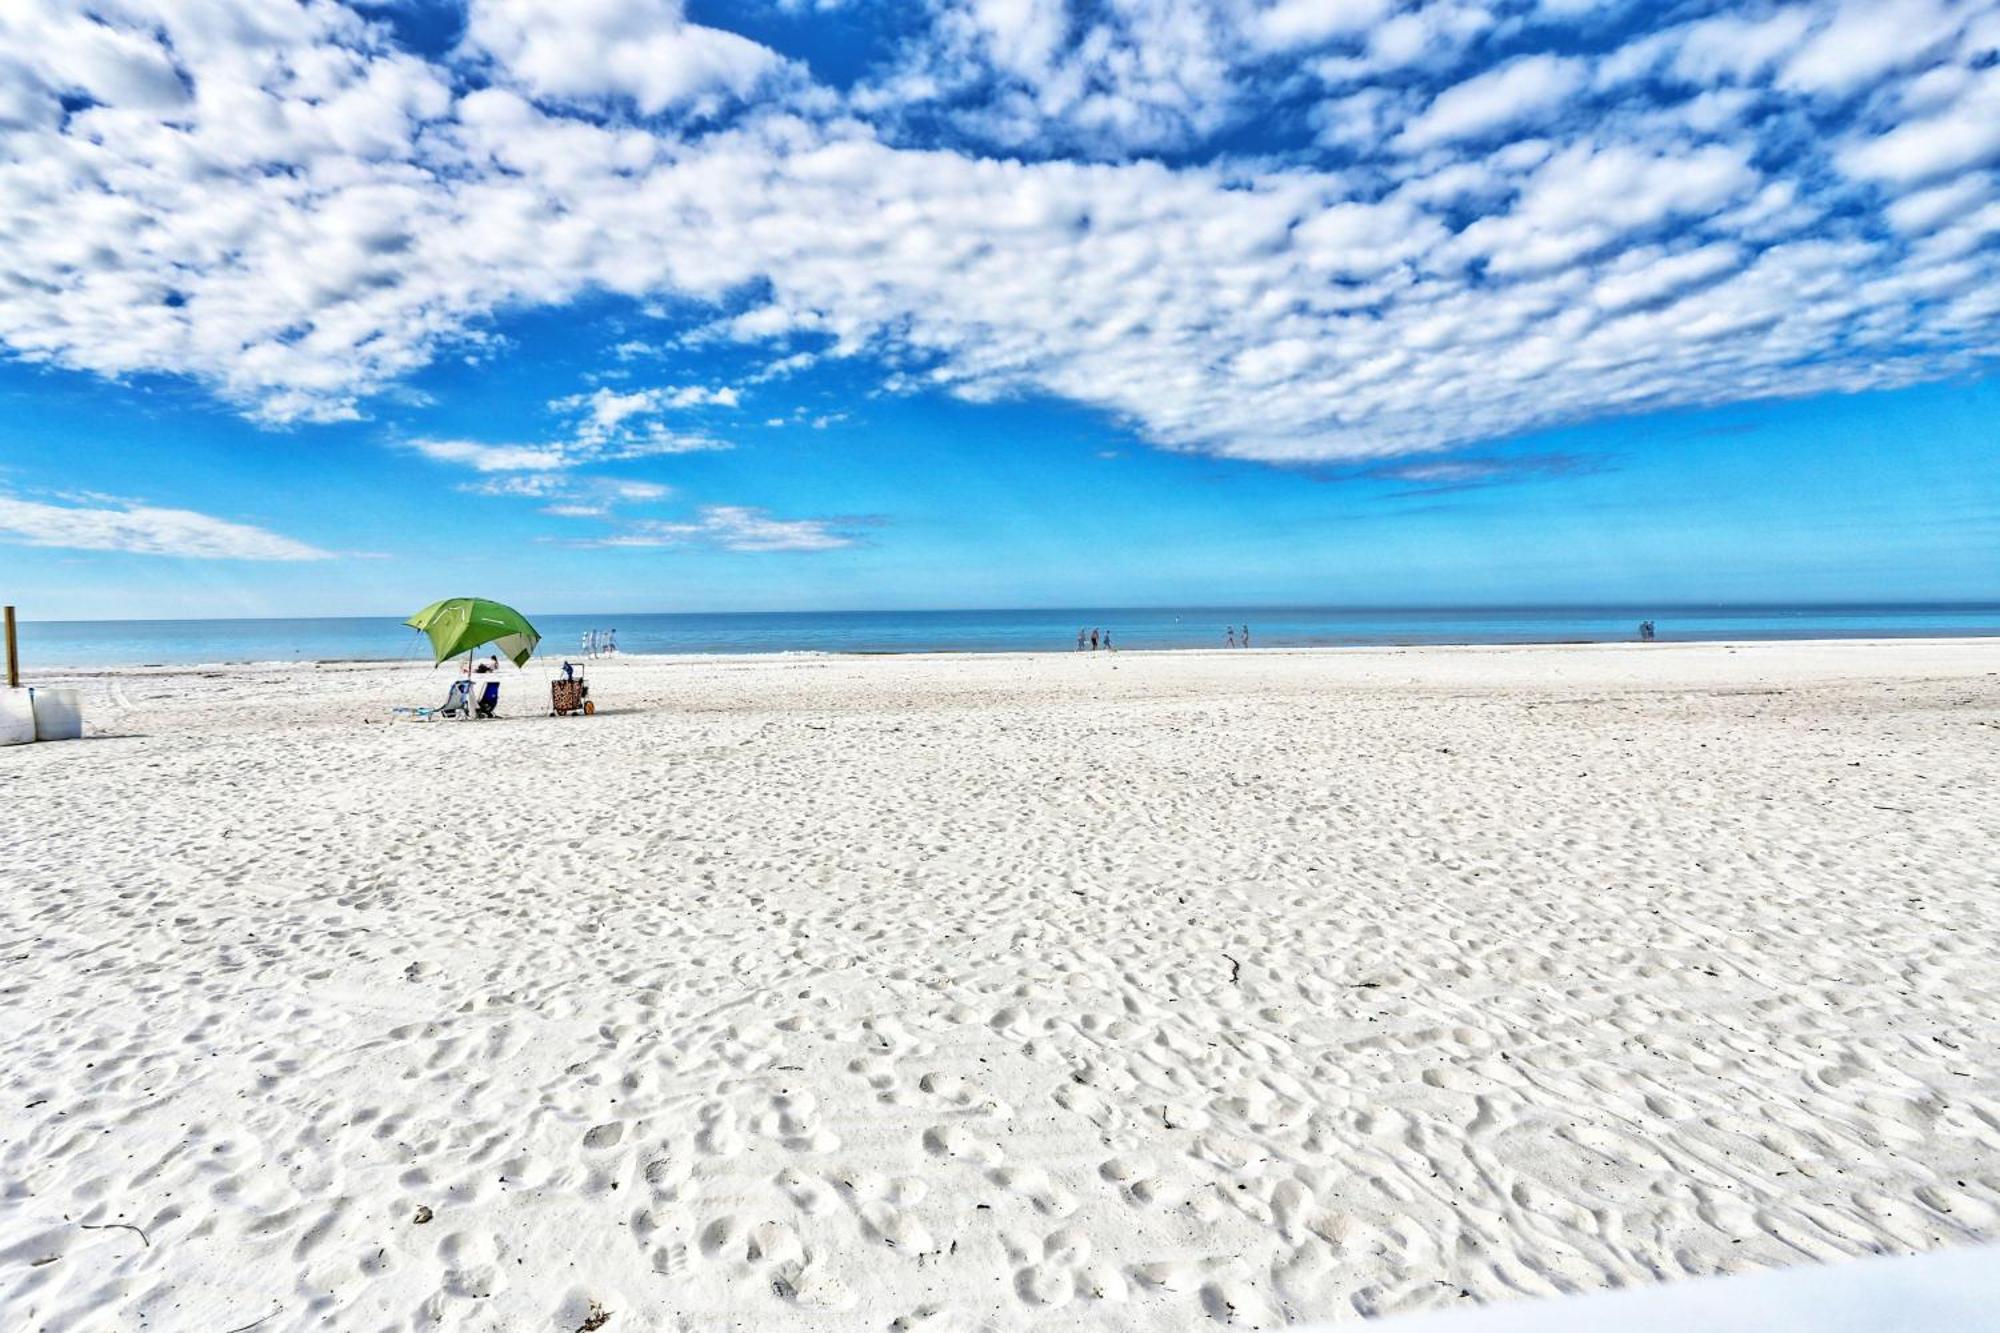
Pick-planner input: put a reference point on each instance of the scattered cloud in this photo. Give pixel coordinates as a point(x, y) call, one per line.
point(740, 528)
point(614, 425)
point(1265, 229)
point(607, 426)
point(494, 457)
point(606, 410)
point(141, 529)
point(644, 51)
point(1520, 90)
point(1963, 134)
point(569, 495)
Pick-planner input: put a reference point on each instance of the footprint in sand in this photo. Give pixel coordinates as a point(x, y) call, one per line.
point(1038, 1187)
point(472, 1268)
point(954, 1141)
point(1063, 1270)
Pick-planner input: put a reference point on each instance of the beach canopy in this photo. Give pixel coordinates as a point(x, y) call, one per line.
point(460, 624)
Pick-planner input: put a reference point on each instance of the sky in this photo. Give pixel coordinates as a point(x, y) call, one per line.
point(321, 308)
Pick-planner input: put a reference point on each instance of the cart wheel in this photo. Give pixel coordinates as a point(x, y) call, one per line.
point(588, 708)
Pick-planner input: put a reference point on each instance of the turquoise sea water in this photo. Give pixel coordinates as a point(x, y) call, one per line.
point(183, 642)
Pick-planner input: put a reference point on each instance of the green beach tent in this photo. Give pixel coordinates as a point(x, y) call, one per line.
point(461, 624)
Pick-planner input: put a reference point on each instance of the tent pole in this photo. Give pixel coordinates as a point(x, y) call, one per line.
point(13, 654)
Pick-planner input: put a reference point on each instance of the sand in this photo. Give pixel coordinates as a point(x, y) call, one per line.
point(1134, 991)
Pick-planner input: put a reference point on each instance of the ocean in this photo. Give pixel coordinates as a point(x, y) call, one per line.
point(80, 643)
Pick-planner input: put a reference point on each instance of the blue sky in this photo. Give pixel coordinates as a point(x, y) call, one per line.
point(323, 309)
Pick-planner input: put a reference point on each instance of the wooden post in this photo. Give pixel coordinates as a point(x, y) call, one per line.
point(13, 654)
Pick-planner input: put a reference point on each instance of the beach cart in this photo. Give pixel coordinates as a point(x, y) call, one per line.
point(570, 692)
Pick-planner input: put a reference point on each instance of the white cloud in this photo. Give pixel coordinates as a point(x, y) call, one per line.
point(611, 424)
point(522, 485)
point(1733, 47)
point(145, 530)
point(607, 409)
point(1285, 24)
point(1926, 209)
point(736, 528)
point(281, 203)
point(1520, 90)
point(1028, 73)
point(1585, 199)
point(1639, 278)
point(644, 50)
point(1964, 135)
point(568, 494)
point(1865, 39)
point(495, 457)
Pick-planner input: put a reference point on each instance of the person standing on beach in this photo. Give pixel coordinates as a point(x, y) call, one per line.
point(1093, 641)
point(1246, 636)
point(1230, 631)
point(1081, 635)
point(1107, 641)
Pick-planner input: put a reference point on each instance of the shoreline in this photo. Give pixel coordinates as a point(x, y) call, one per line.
point(97, 670)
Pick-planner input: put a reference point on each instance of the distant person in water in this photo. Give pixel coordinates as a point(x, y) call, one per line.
point(1229, 639)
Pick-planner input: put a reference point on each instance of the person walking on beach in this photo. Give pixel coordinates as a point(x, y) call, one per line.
point(1246, 636)
point(1107, 641)
point(1093, 641)
point(1081, 635)
point(1231, 636)
point(611, 641)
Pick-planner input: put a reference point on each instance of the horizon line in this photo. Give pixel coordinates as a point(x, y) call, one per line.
point(1231, 608)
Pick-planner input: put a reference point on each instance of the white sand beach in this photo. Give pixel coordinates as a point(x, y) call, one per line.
point(1142, 991)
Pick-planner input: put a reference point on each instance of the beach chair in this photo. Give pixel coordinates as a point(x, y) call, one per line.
point(458, 703)
point(489, 699)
